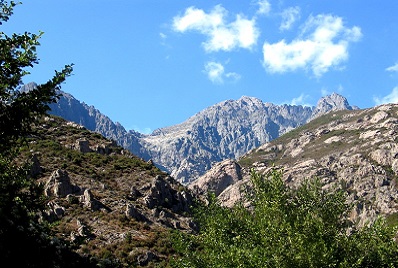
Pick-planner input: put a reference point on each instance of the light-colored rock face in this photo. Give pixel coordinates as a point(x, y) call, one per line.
point(59, 184)
point(218, 178)
point(226, 130)
point(354, 149)
point(333, 102)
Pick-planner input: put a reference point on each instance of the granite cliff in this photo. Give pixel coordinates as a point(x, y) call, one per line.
point(228, 130)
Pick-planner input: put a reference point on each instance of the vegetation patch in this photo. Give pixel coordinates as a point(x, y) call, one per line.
point(283, 227)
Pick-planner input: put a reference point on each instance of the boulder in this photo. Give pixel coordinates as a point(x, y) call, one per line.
point(133, 212)
point(53, 212)
point(82, 145)
point(35, 169)
point(164, 192)
point(90, 202)
point(59, 185)
point(145, 259)
point(220, 176)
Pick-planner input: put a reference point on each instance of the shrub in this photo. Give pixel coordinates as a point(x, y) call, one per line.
point(284, 227)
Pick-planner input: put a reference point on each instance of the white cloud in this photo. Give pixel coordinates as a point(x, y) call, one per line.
point(145, 130)
point(289, 16)
point(393, 68)
point(390, 98)
point(162, 35)
point(264, 7)
point(300, 100)
point(322, 44)
point(241, 33)
point(197, 19)
point(246, 33)
point(216, 73)
point(233, 76)
point(324, 92)
point(163, 38)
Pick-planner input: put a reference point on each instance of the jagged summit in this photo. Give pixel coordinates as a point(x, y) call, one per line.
point(333, 102)
point(249, 100)
point(226, 130)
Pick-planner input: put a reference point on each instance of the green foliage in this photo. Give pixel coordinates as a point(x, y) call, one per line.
point(19, 195)
point(283, 227)
point(392, 219)
point(19, 109)
point(24, 242)
point(6, 10)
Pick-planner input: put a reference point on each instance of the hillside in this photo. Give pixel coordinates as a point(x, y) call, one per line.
point(105, 201)
point(356, 150)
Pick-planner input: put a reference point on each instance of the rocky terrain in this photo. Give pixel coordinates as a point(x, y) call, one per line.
point(105, 201)
point(356, 150)
point(109, 203)
point(226, 130)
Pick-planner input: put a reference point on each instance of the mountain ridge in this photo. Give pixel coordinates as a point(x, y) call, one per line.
point(225, 130)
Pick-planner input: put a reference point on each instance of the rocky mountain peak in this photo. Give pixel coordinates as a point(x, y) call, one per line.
point(226, 130)
point(28, 87)
point(333, 102)
point(250, 101)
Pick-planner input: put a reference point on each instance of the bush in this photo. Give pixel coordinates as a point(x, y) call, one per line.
point(284, 227)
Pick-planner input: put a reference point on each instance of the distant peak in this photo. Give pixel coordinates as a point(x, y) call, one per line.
point(334, 95)
point(333, 102)
point(28, 87)
point(248, 99)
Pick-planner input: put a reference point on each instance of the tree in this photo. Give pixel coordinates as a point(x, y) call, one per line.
point(24, 242)
point(18, 110)
point(284, 227)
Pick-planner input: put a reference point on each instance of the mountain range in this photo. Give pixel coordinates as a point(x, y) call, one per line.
point(226, 130)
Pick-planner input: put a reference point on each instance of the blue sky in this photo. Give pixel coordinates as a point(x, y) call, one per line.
point(149, 64)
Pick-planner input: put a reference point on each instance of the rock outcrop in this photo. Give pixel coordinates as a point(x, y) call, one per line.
point(162, 193)
point(88, 201)
point(53, 212)
point(218, 178)
point(59, 184)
